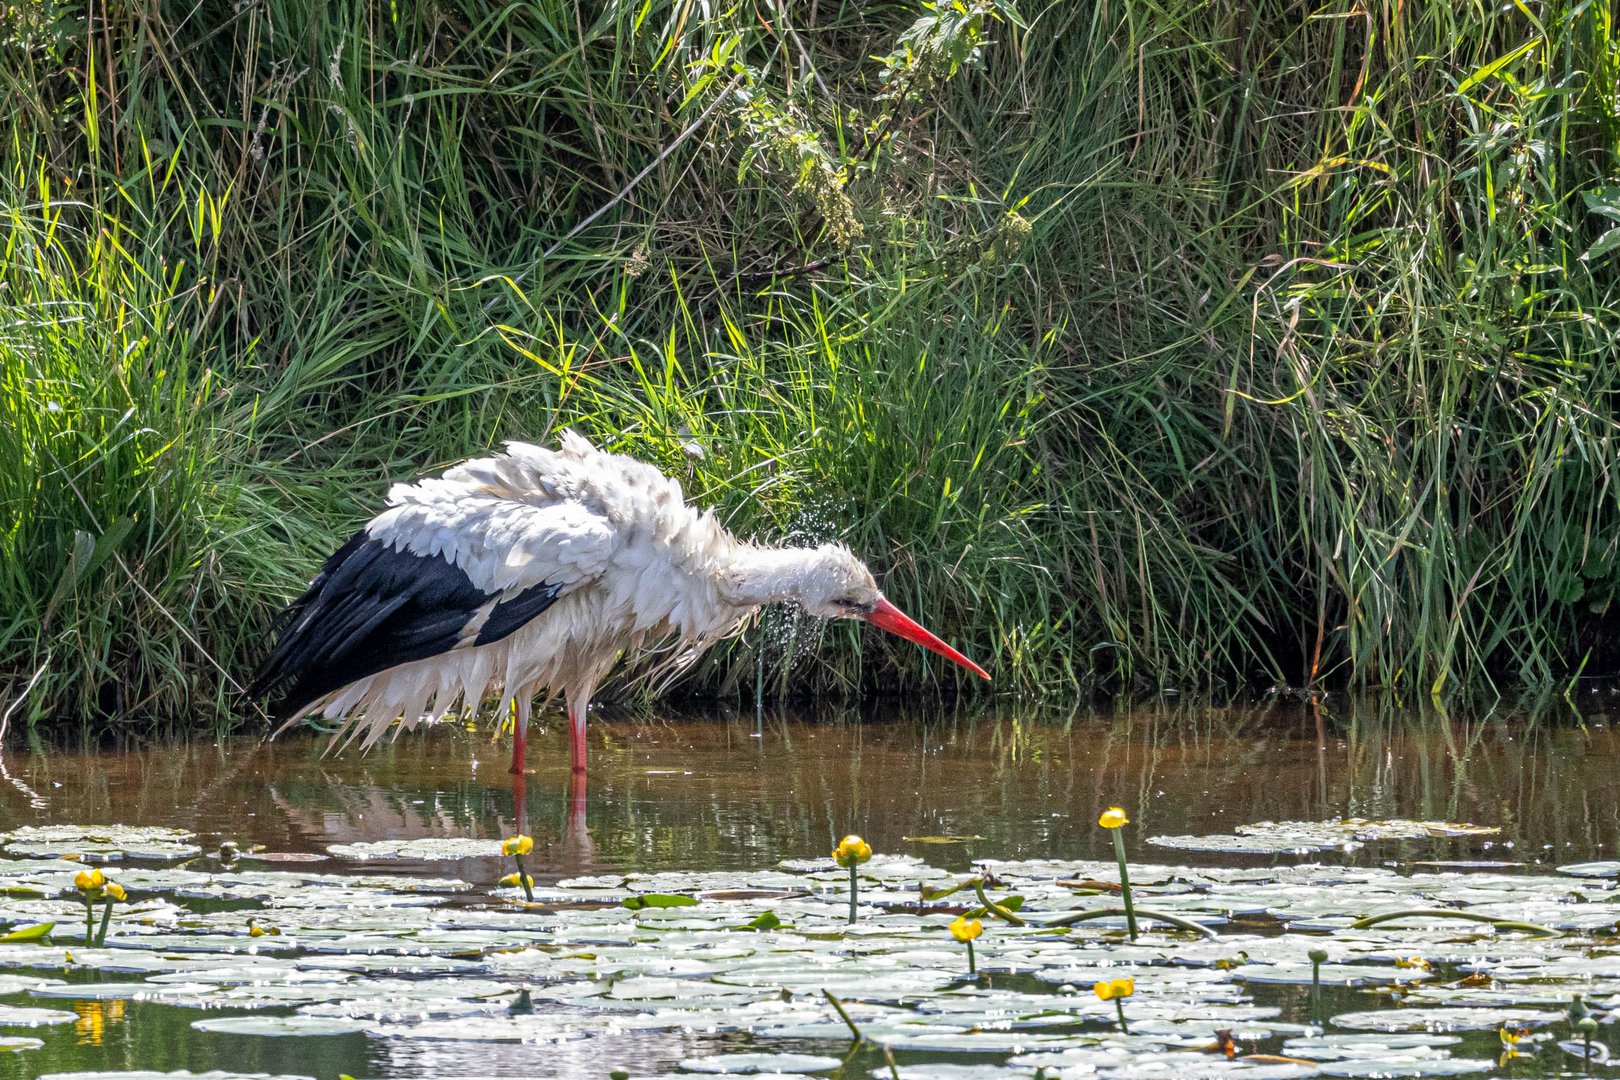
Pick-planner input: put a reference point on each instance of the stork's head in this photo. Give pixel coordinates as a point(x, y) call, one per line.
point(834, 584)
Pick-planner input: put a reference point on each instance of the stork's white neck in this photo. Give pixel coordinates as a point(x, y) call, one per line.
point(754, 575)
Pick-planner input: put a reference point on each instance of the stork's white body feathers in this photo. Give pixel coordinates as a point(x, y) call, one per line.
point(531, 571)
point(566, 518)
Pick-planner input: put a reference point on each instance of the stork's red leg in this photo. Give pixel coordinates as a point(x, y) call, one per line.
point(520, 733)
point(576, 733)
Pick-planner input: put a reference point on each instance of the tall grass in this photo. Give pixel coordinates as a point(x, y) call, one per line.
point(1192, 346)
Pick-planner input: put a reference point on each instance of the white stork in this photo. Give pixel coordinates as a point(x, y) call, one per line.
point(532, 571)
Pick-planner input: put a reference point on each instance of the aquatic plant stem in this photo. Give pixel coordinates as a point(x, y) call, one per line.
point(972, 968)
point(854, 888)
point(1447, 913)
point(89, 922)
point(1102, 913)
point(1124, 889)
point(1317, 956)
point(1004, 913)
point(843, 1014)
point(1119, 1004)
point(106, 917)
point(523, 878)
point(855, 1032)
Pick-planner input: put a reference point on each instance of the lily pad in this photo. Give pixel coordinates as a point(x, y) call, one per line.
point(1305, 837)
point(428, 849)
point(1281, 844)
point(21, 1016)
point(281, 1025)
point(753, 1064)
point(180, 1074)
point(1591, 869)
point(1340, 1047)
point(100, 841)
point(1331, 974)
point(1395, 1065)
point(1444, 1019)
point(639, 901)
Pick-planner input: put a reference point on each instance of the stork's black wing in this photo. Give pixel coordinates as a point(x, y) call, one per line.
point(375, 606)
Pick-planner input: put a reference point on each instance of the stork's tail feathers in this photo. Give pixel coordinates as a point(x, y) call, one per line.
point(290, 659)
point(375, 607)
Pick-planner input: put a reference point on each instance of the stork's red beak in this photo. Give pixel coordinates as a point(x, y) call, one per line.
point(886, 616)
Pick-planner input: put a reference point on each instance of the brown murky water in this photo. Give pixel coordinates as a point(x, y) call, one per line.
point(696, 793)
point(745, 792)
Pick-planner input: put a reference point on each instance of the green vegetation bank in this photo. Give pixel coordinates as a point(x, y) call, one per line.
point(1191, 345)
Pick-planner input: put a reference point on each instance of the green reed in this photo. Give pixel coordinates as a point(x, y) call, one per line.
point(1138, 347)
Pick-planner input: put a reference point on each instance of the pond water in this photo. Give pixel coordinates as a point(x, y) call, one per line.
point(421, 966)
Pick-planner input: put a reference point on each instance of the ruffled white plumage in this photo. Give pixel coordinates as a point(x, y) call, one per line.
point(631, 561)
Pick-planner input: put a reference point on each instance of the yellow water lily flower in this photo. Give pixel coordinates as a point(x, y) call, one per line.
point(852, 851)
point(514, 879)
point(1113, 818)
point(517, 845)
point(256, 931)
point(87, 880)
point(1115, 988)
point(966, 929)
point(115, 891)
point(1512, 1037)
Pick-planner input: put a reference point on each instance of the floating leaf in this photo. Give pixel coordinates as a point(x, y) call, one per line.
point(19, 1016)
point(1331, 974)
point(36, 932)
point(1305, 837)
point(1444, 1019)
point(1282, 844)
point(658, 900)
point(181, 1074)
point(102, 841)
point(1409, 1065)
point(427, 849)
point(1365, 1047)
point(751, 894)
point(281, 1025)
point(1610, 868)
point(752, 1064)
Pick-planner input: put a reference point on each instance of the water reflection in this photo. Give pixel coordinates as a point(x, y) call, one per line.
point(94, 1018)
point(634, 1052)
point(697, 792)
